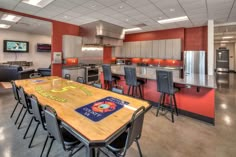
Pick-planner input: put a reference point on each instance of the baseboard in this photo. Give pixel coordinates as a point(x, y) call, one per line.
point(190, 114)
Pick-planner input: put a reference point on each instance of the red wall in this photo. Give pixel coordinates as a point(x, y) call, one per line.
point(58, 30)
point(107, 55)
point(195, 38)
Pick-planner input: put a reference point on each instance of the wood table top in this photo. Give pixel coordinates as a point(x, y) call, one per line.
point(65, 96)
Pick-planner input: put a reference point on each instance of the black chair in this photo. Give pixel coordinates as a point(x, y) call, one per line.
point(67, 76)
point(165, 86)
point(97, 85)
point(120, 145)
point(80, 79)
point(16, 96)
point(25, 105)
point(132, 82)
point(117, 90)
point(108, 78)
point(37, 116)
point(35, 75)
point(60, 134)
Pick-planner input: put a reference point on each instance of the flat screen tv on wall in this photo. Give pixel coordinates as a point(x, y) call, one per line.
point(43, 47)
point(15, 46)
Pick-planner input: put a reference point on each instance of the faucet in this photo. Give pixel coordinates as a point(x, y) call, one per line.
point(158, 63)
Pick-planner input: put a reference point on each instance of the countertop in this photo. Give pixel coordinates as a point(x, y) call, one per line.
point(207, 81)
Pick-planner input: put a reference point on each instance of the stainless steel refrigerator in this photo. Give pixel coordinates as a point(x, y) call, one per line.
point(194, 62)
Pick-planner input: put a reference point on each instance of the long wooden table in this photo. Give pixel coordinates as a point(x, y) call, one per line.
point(65, 96)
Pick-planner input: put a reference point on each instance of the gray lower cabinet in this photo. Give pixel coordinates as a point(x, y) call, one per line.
point(74, 72)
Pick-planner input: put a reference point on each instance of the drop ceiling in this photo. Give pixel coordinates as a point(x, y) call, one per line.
point(128, 13)
point(29, 25)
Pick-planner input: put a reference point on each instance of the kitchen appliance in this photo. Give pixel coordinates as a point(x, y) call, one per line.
point(222, 60)
point(123, 61)
point(102, 33)
point(91, 73)
point(194, 62)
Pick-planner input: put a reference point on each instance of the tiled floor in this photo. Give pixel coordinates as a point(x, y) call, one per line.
point(161, 138)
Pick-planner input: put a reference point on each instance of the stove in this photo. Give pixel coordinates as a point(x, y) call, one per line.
point(91, 73)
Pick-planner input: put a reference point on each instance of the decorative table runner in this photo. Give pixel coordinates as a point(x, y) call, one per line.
point(102, 108)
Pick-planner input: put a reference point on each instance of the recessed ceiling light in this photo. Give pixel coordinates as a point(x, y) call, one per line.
point(132, 29)
point(172, 20)
point(93, 6)
point(227, 37)
point(4, 26)
point(172, 9)
point(10, 17)
point(38, 3)
point(127, 20)
point(120, 7)
point(224, 41)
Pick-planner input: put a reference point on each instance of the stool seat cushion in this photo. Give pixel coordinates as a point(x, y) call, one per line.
point(115, 77)
point(141, 81)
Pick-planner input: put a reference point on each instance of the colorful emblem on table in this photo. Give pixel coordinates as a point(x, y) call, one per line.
point(103, 107)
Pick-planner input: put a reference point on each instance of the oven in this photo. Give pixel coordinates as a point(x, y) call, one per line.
point(91, 74)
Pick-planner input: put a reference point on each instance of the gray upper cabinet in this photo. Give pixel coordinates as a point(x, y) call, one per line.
point(162, 49)
point(127, 49)
point(177, 48)
point(146, 49)
point(155, 48)
point(135, 49)
point(71, 46)
point(173, 49)
point(117, 52)
point(169, 49)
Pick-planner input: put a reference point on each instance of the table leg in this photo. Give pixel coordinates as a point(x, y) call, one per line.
point(91, 152)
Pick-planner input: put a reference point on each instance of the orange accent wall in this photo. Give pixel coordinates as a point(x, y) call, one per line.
point(58, 30)
point(107, 55)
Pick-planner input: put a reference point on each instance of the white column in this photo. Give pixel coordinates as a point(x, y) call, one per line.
point(210, 53)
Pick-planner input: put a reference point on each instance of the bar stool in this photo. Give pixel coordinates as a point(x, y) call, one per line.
point(166, 87)
point(132, 82)
point(108, 78)
point(67, 76)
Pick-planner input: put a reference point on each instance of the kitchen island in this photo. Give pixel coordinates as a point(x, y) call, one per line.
point(195, 99)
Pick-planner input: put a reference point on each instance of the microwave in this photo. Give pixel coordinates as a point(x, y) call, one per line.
point(123, 61)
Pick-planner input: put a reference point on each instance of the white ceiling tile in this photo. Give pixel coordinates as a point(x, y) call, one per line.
point(109, 2)
point(121, 7)
point(82, 10)
point(64, 4)
point(93, 5)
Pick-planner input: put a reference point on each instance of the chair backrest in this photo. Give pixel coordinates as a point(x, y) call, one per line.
point(67, 76)
point(164, 80)
point(52, 123)
point(117, 90)
point(130, 76)
point(136, 126)
point(14, 88)
point(107, 72)
point(97, 85)
point(36, 109)
point(80, 79)
point(35, 75)
point(22, 97)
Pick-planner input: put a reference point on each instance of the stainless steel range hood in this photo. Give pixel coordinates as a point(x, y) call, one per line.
point(102, 33)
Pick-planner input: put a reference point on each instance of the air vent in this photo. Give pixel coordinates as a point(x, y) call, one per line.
point(140, 25)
